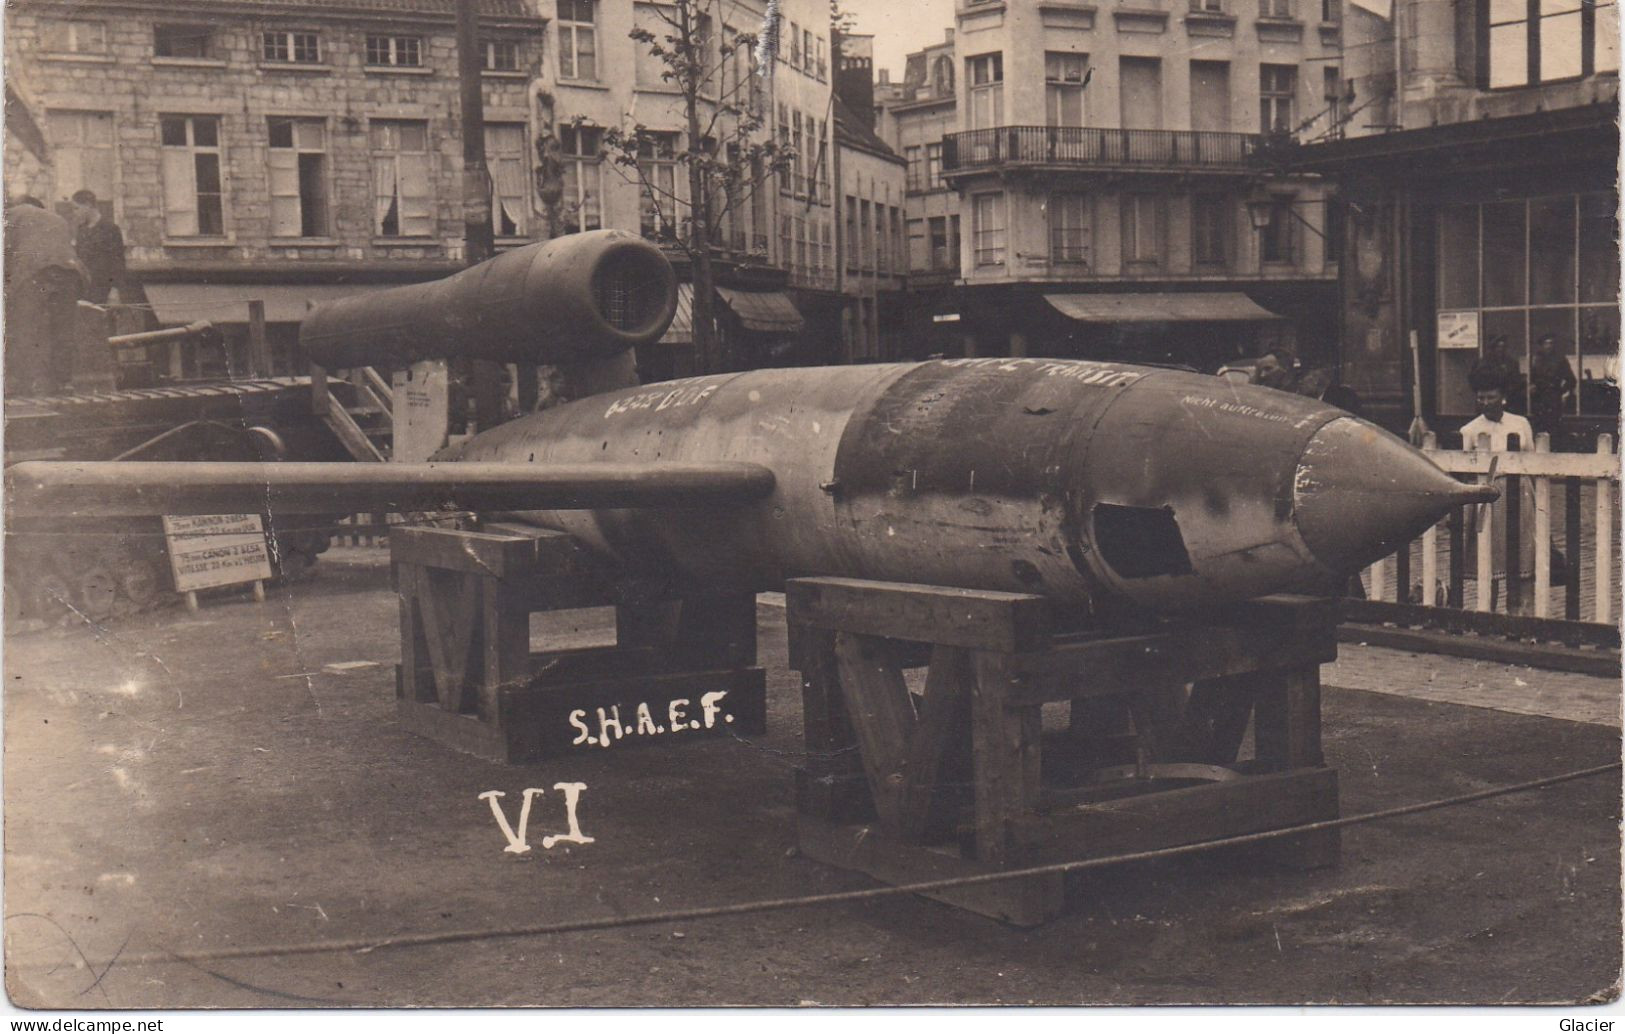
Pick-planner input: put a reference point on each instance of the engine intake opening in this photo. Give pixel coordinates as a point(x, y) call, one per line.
point(1140, 541)
point(629, 289)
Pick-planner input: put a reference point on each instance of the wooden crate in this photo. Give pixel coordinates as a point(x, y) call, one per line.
point(962, 780)
point(683, 664)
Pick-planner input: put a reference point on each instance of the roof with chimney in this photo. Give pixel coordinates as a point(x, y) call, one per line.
point(852, 130)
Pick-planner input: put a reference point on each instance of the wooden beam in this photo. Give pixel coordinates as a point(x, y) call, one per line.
point(1127, 663)
point(1006, 751)
point(882, 716)
point(969, 618)
point(1174, 817)
point(943, 720)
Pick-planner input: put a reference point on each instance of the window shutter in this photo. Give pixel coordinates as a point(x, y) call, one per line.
point(180, 194)
point(283, 166)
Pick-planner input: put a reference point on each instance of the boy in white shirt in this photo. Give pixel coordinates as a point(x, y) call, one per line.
point(1495, 421)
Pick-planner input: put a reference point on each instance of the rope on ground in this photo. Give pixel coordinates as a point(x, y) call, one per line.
point(364, 946)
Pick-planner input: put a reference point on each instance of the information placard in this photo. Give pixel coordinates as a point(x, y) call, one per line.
point(1458, 330)
point(211, 550)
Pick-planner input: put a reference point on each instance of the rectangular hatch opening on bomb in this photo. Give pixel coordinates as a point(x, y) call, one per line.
point(1140, 541)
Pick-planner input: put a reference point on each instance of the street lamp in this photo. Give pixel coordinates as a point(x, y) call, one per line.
point(1261, 212)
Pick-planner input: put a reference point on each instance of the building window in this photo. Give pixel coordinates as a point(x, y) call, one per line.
point(1277, 87)
point(510, 175)
point(1064, 77)
point(1541, 41)
point(945, 243)
point(798, 168)
point(578, 45)
point(811, 65)
point(795, 44)
point(1336, 227)
point(82, 154)
point(853, 245)
point(302, 48)
point(1332, 93)
point(1529, 269)
point(583, 147)
point(986, 78)
point(657, 186)
point(1069, 228)
point(395, 51)
point(1208, 6)
point(1275, 8)
point(183, 41)
point(866, 236)
point(933, 167)
point(649, 67)
point(403, 199)
point(823, 61)
point(1211, 219)
point(988, 229)
point(501, 55)
point(915, 156)
point(62, 36)
point(193, 204)
point(1142, 229)
point(297, 162)
point(823, 191)
point(1331, 10)
point(1277, 241)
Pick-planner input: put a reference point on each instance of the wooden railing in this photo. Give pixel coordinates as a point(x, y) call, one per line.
point(1437, 570)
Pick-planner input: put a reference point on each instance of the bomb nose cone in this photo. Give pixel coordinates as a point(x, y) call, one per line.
point(1360, 493)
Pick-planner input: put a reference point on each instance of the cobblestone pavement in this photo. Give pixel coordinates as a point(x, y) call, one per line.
point(1513, 688)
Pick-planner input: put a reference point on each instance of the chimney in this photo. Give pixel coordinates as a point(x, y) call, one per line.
point(855, 77)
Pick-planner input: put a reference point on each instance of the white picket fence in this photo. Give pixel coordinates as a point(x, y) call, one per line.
point(1586, 480)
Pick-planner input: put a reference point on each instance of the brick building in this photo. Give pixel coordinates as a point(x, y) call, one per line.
point(283, 151)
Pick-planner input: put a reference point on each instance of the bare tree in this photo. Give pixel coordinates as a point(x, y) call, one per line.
point(724, 92)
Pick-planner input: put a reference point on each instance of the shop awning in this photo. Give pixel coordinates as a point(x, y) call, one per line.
point(767, 312)
point(228, 303)
point(1161, 307)
point(681, 331)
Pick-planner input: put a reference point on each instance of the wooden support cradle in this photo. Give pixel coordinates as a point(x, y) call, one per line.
point(957, 776)
point(469, 678)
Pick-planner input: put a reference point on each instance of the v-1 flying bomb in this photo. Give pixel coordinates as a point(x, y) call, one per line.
point(1099, 485)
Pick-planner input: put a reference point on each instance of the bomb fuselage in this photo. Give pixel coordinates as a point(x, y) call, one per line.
point(1094, 484)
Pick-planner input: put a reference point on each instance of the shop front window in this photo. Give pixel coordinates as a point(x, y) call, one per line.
point(1513, 273)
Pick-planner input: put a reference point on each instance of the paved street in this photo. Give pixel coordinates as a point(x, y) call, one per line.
point(237, 778)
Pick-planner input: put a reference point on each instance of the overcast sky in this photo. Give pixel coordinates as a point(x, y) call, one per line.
point(900, 26)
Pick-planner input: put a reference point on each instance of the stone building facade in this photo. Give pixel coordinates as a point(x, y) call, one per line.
point(1481, 167)
point(1123, 151)
point(775, 261)
point(281, 151)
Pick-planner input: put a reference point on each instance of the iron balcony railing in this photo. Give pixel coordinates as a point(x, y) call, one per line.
point(1087, 147)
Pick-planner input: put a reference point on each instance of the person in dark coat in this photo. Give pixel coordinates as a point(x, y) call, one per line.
point(1497, 367)
point(1551, 380)
point(100, 246)
point(43, 282)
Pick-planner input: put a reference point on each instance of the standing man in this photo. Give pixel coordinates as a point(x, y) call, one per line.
point(1551, 380)
point(43, 282)
point(1497, 366)
point(100, 246)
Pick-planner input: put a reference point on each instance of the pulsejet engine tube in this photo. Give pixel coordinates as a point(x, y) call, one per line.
point(579, 298)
